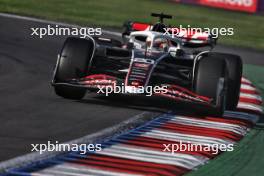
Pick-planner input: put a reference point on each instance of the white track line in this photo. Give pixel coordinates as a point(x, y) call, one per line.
point(213, 124)
point(188, 138)
point(210, 125)
point(250, 106)
point(251, 96)
point(247, 87)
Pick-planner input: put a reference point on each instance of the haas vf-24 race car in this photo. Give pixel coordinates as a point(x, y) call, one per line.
point(150, 58)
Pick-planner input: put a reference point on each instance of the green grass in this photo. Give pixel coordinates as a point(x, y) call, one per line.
point(248, 28)
point(246, 159)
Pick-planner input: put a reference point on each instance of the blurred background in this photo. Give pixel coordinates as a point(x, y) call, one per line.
point(245, 16)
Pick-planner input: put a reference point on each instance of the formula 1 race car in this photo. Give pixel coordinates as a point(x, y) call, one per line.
point(149, 58)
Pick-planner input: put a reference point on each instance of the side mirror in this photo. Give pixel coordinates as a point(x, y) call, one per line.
point(174, 51)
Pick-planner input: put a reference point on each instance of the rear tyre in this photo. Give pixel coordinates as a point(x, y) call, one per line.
point(208, 74)
point(74, 61)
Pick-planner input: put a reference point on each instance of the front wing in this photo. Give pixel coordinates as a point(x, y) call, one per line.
point(103, 82)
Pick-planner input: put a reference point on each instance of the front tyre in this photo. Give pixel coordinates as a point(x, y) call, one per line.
point(74, 61)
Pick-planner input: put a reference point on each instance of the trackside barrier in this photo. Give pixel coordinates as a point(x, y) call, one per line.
point(250, 6)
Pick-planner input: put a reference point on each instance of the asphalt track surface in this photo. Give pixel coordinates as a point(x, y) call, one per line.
point(30, 111)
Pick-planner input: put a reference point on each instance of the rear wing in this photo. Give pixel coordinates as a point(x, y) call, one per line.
point(190, 38)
